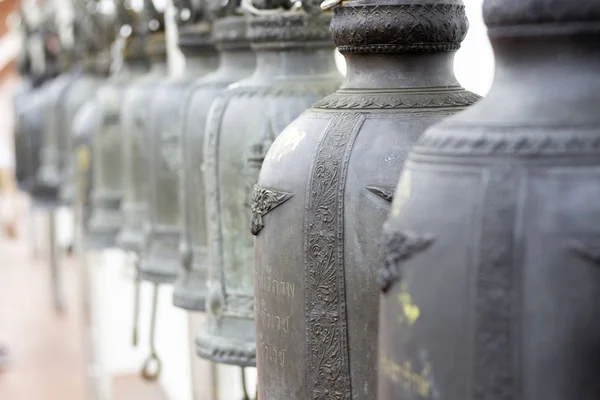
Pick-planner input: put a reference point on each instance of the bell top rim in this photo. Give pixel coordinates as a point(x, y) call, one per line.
point(359, 26)
point(295, 29)
point(195, 36)
point(540, 17)
point(230, 32)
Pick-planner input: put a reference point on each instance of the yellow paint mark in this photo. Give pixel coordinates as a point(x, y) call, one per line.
point(83, 161)
point(417, 382)
point(410, 311)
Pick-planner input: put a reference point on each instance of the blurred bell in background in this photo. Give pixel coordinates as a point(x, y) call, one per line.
point(132, 133)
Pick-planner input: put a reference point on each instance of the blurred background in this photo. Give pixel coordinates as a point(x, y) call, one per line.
point(67, 334)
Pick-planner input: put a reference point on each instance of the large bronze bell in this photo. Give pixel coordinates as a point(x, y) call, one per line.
point(160, 259)
point(295, 68)
point(325, 189)
point(106, 219)
point(236, 61)
point(491, 285)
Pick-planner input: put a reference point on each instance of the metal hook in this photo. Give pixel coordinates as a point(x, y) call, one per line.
point(244, 388)
point(136, 302)
point(153, 358)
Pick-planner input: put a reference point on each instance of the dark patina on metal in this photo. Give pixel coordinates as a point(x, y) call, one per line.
point(317, 255)
point(295, 68)
point(501, 304)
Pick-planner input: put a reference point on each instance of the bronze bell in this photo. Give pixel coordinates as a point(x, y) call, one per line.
point(85, 126)
point(96, 66)
point(66, 95)
point(44, 57)
point(295, 68)
point(325, 189)
point(490, 285)
point(236, 61)
point(107, 194)
point(134, 114)
point(29, 99)
point(28, 127)
point(160, 259)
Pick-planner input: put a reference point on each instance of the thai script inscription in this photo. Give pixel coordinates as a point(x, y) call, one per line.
point(270, 321)
point(270, 285)
point(272, 354)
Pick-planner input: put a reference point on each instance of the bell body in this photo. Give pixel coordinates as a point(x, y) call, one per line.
point(236, 61)
point(28, 137)
point(491, 285)
point(324, 192)
point(160, 260)
point(67, 96)
point(48, 176)
point(22, 96)
point(107, 194)
point(243, 122)
point(84, 131)
point(134, 207)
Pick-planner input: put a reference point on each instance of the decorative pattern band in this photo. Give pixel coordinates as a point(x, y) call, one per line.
point(328, 368)
point(464, 140)
point(495, 291)
point(300, 27)
point(510, 13)
point(398, 100)
point(414, 27)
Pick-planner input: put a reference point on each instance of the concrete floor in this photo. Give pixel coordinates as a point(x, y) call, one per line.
point(46, 348)
point(49, 351)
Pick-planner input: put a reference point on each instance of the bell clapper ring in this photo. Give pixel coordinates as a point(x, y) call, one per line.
point(136, 301)
point(147, 372)
point(245, 388)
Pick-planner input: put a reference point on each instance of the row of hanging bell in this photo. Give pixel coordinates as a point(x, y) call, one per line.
point(295, 67)
point(491, 285)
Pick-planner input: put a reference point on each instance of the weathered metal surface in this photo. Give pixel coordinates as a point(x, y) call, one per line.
point(491, 284)
point(325, 189)
point(295, 68)
point(236, 61)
